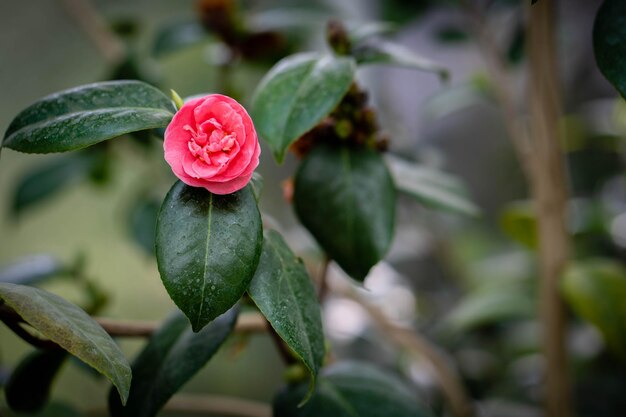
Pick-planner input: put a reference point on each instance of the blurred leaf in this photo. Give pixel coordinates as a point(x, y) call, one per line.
point(287, 20)
point(296, 94)
point(360, 32)
point(173, 356)
point(388, 53)
point(518, 221)
point(433, 188)
point(596, 289)
point(142, 223)
point(31, 269)
point(83, 116)
point(283, 291)
point(207, 247)
point(345, 197)
point(48, 179)
point(491, 307)
point(178, 35)
point(515, 52)
point(609, 42)
point(72, 329)
point(351, 389)
point(451, 35)
point(29, 386)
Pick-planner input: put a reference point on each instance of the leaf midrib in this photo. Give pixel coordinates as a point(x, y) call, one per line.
point(206, 259)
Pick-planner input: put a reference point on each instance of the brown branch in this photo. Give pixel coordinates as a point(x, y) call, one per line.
point(550, 193)
point(96, 29)
point(419, 348)
point(246, 323)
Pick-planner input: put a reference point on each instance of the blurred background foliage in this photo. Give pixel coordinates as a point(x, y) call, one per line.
point(82, 225)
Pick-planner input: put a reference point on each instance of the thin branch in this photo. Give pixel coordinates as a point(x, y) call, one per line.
point(419, 348)
point(502, 84)
point(246, 323)
point(551, 196)
point(96, 29)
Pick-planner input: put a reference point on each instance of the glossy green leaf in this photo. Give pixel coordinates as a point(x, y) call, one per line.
point(596, 289)
point(173, 355)
point(257, 185)
point(48, 179)
point(431, 187)
point(85, 115)
point(72, 329)
point(345, 197)
point(297, 94)
point(352, 389)
point(208, 247)
point(609, 42)
point(142, 223)
point(31, 269)
point(29, 386)
point(518, 221)
point(178, 35)
point(387, 53)
point(283, 291)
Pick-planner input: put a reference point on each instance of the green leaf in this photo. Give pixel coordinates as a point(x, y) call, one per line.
point(596, 290)
point(296, 94)
point(48, 179)
point(208, 247)
point(142, 223)
point(352, 389)
point(85, 115)
point(609, 42)
point(431, 187)
point(257, 185)
point(29, 386)
point(31, 269)
point(388, 53)
point(518, 221)
point(173, 355)
point(345, 197)
point(72, 329)
point(284, 293)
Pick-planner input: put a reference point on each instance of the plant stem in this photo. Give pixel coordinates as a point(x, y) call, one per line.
point(420, 348)
point(550, 194)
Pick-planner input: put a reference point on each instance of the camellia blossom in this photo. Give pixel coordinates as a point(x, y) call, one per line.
point(211, 143)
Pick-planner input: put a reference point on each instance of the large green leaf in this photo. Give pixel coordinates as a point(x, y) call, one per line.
point(208, 247)
point(609, 42)
point(142, 221)
point(283, 291)
point(72, 329)
point(29, 386)
point(351, 390)
point(297, 94)
point(596, 291)
point(388, 53)
point(431, 187)
point(345, 197)
point(85, 115)
point(173, 355)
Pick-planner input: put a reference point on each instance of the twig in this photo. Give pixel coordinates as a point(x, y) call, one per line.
point(246, 323)
point(550, 194)
point(25, 335)
point(419, 348)
point(90, 21)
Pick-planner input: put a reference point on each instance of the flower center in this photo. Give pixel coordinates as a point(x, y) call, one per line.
point(209, 139)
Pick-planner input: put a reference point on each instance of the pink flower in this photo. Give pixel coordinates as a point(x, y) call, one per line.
point(211, 143)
